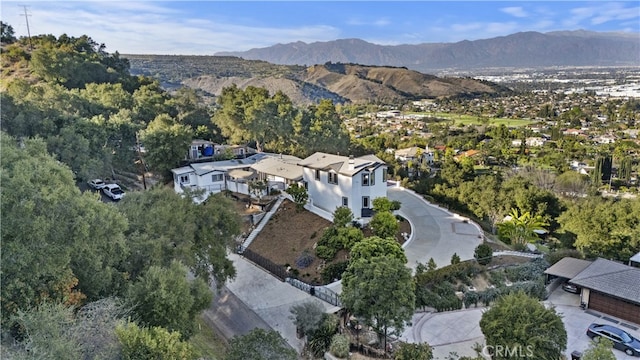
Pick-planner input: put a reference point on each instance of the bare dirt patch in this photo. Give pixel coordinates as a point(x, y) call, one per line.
point(292, 232)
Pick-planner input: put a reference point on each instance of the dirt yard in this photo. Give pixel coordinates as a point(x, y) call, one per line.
point(290, 232)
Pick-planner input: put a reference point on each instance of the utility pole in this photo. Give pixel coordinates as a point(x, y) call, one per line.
point(26, 18)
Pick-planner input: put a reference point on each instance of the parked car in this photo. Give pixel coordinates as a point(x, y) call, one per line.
point(569, 287)
point(96, 184)
point(113, 191)
point(620, 338)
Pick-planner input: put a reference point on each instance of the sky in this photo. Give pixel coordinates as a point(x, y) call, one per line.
point(207, 27)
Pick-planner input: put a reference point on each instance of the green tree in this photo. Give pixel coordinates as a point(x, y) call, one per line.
point(167, 143)
point(7, 35)
point(164, 297)
point(48, 332)
point(517, 320)
point(307, 317)
point(320, 340)
point(603, 227)
point(376, 246)
point(519, 230)
point(483, 254)
point(384, 204)
point(600, 350)
point(42, 260)
point(380, 290)
point(299, 194)
point(431, 265)
point(342, 216)
point(260, 344)
point(384, 224)
point(406, 351)
point(139, 343)
point(164, 226)
point(455, 259)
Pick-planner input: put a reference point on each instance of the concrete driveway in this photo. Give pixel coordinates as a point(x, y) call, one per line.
point(458, 331)
point(436, 232)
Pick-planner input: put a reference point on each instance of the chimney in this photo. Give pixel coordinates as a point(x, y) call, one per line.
point(351, 162)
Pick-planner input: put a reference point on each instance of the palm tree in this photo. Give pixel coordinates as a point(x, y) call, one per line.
point(520, 229)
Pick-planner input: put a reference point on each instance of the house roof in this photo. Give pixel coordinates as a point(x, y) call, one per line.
point(182, 170)
point(226, 165)
point(241, 174)
point(341, 164)
point(611, 278)
point(409, 152)
point(568, 267)
point(635, 258)
point(285, 166)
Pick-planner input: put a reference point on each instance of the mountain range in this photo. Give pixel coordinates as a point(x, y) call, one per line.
point(519, 50)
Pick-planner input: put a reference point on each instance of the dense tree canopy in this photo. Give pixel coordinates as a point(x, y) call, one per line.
point(517, 321)
point(260, 344)
point(605, 228)
point(380, 290)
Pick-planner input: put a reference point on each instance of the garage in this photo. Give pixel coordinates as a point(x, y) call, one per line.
point(616, 307)
point(611, 288)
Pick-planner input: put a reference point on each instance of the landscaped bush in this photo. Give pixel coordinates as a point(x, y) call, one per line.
point(325, 252)
point(442, 297)
point(489, 295)
point(339, 346)
point(334, 271)
point(464, 272)
point(304, 260)
point(535, 289)
point(483, 254)
point(556, 256)
point(529, 271)
point(470, 297)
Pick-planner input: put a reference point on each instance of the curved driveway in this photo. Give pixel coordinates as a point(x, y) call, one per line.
point(436, 233)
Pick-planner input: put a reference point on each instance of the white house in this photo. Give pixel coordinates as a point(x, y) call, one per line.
point(333, 181)
point(278, 171)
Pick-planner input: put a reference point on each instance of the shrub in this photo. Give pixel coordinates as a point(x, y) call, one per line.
point(304, 260)
point(325, 252)
point(334, 271)
point(556, 256)
point(339, 346)
point(532, 270)
point(470, 297)
point(455, 259)
point(483, 254)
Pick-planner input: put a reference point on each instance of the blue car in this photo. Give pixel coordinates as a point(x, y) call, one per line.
point(620, 338)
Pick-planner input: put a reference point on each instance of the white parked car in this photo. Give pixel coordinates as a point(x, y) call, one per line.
point(96, 184)
point(113, 191)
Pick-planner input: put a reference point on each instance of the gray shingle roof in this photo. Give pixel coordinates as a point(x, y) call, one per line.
point(568, 267)
point(340, 164)
point(611, 278)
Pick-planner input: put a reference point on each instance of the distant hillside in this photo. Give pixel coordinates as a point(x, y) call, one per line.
point(525, 49)
point(338, 82)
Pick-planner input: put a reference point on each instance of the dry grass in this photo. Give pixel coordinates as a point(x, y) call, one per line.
point(291, 232)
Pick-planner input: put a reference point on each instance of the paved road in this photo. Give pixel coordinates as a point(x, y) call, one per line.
point(437, 233)
point(458, 331)
point(230, 316)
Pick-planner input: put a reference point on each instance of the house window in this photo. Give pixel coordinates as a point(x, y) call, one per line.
point(306, 185)
point(365, 202)
point(365, 179)
point(333, 178)
point(384, 175)
point(372, 178)
point(317, 174)
point(184, 179)
point(217, 177)
point(345, 201)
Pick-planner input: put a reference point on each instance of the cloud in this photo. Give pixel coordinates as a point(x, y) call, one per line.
point(516, 11)
point(377, 22)
point(598, 13)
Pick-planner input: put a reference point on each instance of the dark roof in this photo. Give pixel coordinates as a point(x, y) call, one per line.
point(611, 278)
point(568, 267)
